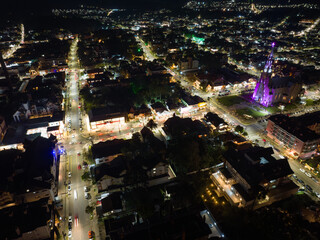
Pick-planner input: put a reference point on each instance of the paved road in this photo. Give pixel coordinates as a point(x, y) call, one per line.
point(295, 166)
point(75, 202)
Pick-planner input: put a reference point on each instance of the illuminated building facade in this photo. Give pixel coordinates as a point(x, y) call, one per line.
point(262, 93)
point(297, 136)
point(272, 89)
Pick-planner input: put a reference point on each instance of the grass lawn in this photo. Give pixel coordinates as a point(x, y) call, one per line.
point(309, 102)
point(290, 107)
point(272, 110)
point(250, 112)
point(230, 100)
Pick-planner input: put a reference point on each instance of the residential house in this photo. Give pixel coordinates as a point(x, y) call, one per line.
point(108, 150)
point(111, 204)
point(216, 121)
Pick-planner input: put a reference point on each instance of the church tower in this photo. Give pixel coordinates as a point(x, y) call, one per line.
point(262, 94)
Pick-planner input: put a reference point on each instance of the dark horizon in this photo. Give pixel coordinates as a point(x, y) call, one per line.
point(34, 5)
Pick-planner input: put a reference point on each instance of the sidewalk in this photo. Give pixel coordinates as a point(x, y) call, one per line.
point(96, 226)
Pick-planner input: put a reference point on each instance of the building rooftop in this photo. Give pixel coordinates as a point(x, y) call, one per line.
point(182, 223)
point(108, 148)
point(295, 126)
point(282, 82)
point(214, 119)
point(256, 165)
point(112, 202)
point(308, 118)
point(25, 217)
point(99, 114)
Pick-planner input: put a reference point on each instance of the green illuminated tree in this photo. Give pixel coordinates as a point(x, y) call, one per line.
point(86, 176)
point(89, 209)
point(239, 129)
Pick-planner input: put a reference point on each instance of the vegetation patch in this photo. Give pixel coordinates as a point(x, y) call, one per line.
point(290, 107)
point(248, 113)
point(230, 100)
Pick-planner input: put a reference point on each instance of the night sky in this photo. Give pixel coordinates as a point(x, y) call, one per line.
point(32, 5)
point(42, 4)
point(18, 8)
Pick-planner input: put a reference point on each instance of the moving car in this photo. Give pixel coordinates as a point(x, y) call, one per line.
point(76, 220)
point(75, 194)
point(79, 167)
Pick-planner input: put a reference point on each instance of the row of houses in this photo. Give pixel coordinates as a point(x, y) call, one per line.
point(115, 118)
point(112, 165)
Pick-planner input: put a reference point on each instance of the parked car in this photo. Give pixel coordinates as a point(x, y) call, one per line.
point(90, 234)
point(87, 195)
point(300, 181)
point(315, 180)
point(59, 206)
point(69, 226)
point(309, 188)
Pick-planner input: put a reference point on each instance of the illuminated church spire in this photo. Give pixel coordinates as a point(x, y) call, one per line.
point(262, 93)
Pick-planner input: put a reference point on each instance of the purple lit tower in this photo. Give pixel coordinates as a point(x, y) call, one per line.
point(262, 93)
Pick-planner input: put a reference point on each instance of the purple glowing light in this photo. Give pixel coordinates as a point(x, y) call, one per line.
point(261, 92)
